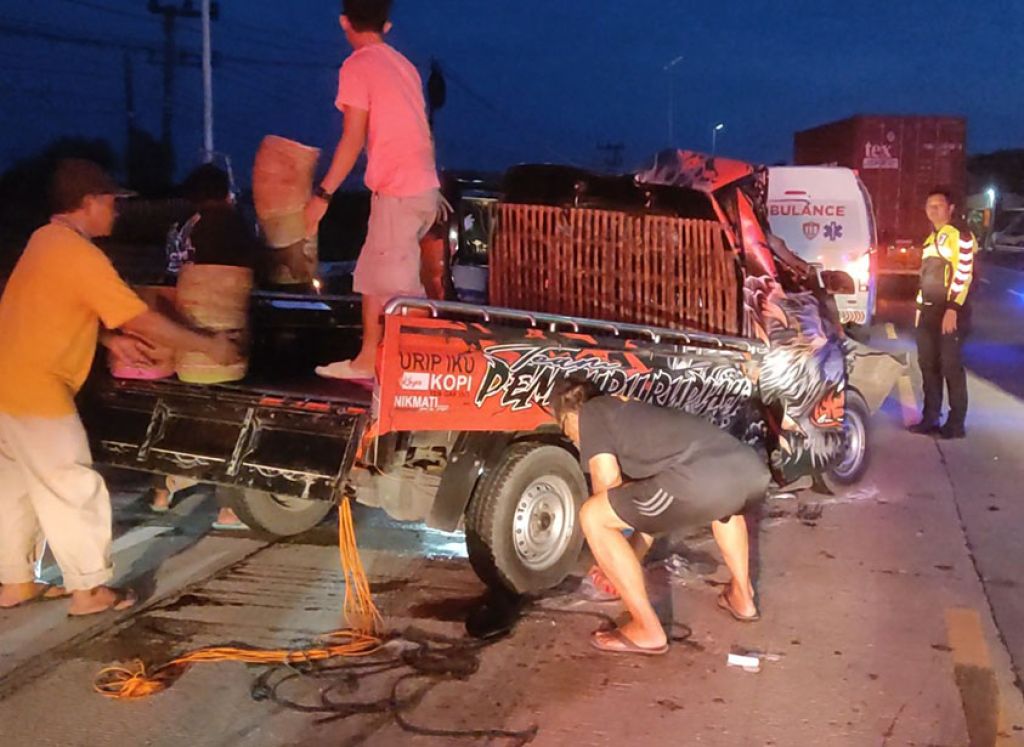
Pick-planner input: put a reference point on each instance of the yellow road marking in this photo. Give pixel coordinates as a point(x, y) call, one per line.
point(979, 688)
point(963, 627)
point(890, 331)
point(908, 400)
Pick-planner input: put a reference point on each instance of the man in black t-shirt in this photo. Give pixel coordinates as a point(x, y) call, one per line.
point(655, 470)
point(216, 233)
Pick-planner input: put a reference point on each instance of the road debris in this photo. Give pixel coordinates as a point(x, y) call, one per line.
point(746, 663)
point(688, 569)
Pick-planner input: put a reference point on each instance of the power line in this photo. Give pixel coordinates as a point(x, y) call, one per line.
point(512, 122)
point(48, 90)
point(506, 118)
point(270, 62)
point(113, 11)
point(246, 40)
point(274, 37)
point(24, 30)
point(299, 38)
point(65, 71)
point(272, 43)
point(239, 79)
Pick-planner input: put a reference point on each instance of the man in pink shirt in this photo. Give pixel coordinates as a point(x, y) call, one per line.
point(381, 96)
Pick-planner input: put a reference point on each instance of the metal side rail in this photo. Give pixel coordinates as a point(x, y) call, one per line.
point(556, 323)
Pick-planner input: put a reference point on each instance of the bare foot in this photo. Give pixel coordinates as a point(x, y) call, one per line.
point(161, 500)
point(742, 603)
point(643, 636)
point(100, 599)
point(15, 595)
point(345, 370)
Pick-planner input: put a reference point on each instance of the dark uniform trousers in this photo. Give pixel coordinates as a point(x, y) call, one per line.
point(939, 357)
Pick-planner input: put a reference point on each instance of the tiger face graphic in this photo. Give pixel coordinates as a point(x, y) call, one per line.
point(802, 377)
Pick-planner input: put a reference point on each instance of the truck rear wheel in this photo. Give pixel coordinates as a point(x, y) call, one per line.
point(522, 528)
point(277, 515)
point(856, 453)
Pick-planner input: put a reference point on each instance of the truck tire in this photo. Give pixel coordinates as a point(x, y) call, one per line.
point(856, 448)
point(276, 515)
point(522, 528)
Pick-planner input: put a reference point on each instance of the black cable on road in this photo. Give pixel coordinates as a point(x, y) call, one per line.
point(427, 657)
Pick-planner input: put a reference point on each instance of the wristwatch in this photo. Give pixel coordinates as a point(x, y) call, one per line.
point(323, 194)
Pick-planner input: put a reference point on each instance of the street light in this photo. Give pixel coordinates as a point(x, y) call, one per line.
point(714, 136)
point(991, 192)
point(672, 99)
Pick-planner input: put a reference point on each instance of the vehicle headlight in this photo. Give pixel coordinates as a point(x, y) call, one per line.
point(860, 270)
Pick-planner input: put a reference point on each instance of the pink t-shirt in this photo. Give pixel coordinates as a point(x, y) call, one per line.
point(400, 152)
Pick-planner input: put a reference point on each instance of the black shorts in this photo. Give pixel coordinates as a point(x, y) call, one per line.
point(678, 499)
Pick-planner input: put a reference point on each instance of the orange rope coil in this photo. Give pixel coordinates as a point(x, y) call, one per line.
point(359, 639)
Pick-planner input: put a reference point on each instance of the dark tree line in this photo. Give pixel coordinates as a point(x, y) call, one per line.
point(1003, 169)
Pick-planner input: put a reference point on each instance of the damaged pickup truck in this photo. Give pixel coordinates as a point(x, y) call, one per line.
point(664, 286)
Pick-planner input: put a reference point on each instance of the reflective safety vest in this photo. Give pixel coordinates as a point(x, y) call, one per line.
point(947, 268)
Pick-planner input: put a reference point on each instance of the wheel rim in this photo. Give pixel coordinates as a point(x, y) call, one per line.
point(853, 445)
point(543, 524)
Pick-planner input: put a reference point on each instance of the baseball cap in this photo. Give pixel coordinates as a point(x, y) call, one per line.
point(74, 179)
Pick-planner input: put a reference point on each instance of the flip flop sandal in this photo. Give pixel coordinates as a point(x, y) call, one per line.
point(48, 594)
point(723, 603)
point(123, 599)
point(627, 646)
point(162, 509)
point(234, 526)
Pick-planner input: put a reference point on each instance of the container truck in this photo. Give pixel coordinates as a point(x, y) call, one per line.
point(900, 159)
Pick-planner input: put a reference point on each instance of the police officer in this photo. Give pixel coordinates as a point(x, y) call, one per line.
point(943, 317)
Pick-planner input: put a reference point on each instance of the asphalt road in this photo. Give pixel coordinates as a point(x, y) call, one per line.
point(994, 349)
point(892, 616)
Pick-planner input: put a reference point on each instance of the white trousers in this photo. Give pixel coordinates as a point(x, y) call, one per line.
point(48, 488)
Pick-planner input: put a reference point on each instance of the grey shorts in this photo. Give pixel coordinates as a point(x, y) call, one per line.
point(389, 263)
point(674, 500)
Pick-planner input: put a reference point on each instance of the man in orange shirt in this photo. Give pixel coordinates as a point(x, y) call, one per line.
point(60, 292)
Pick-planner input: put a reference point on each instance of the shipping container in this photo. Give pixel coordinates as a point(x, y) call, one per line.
point(900, 159)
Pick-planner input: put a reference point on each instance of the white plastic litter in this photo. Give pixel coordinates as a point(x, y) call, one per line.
point(866, 493)
point(746, 663)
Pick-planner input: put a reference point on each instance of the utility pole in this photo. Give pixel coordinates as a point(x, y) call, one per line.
point(129, 97)
point(207, 86)
point(170, 13)
point(129, 117)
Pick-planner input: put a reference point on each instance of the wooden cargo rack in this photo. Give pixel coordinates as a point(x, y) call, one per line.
point(611, 265)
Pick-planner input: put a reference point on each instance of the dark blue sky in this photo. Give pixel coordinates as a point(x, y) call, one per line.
point(530, 80)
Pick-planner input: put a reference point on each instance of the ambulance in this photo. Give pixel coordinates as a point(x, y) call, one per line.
point(824, 215)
